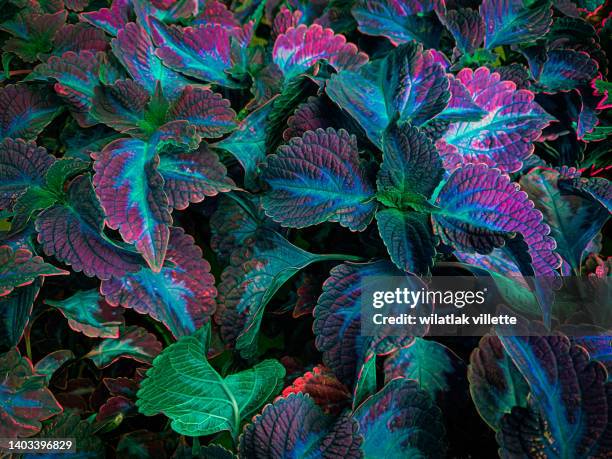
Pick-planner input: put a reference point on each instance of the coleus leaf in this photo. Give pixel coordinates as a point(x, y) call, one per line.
point(79, 37)
point(509, 22)
point(19, 268)
point(32, 34)
point(76, 76)
point(110, 20)
point(496, 385)
point(408, 85)
point(318, 178)
point(15, 312)
point(337, 325)
point(505, 136)
point(294, 426)
point(400, 21)
point(205, 402)
point(191, 176)
point(133, 343)
point(461, 106)
point(69, 425)
point(181, 295)
point(134, 49)
point(569, 396)
point(322, 385)
point(25, 399)
point(22, 165)
point(50, 363)
point(121, 105)
point(299, 48)
point(401, 421)
point(26, 111)
point(202, 52)
point(72, 231)
point(479, 207)
point(284, 19)
point(164, 10)
point(597, 188)
point(209, 112)
point(411, 165)
point(234, 224)
point(433, 365)
point(131, 192)
point(248, 142)
point(466, 27)
point(409, 239)
point(565, 69)
point(215, 12)
point(255, 274)
point(574, 220)
point(599, 348)
point(366, 383)
point(87, 312)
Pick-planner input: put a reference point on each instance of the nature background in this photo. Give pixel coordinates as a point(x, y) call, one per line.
point(207, 183)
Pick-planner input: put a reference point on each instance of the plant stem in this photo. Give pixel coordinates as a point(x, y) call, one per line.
point(341, 257)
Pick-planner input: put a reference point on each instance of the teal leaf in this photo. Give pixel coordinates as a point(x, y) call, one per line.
point(186, 388)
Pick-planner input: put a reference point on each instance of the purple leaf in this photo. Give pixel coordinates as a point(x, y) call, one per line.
point(322, 385)
point(19, 268)
point(134, 49)
point(72, 231)
point(22, 164)
point(505, 136)
point(299, 48)
point(79, 37)
point(26, 111)
point(110, 20)
point(294, 426)
point(317, 178)
point(131, 189)
point(337, 324)
point(309, 116)
point(284, 20)
point(409, 84)
point(191, 176)
point(133, 343)
point(121, 105)
point(479, 207)
point(466, 27)
point(76, 76)
point(181, 296)
point(509, 22)
point(203, 52)
point(209, 112)
point(87, 312)
point(400, 21)
point(215, 12)
point(461, 106)
point(566, 69)
point(401, 421)
point(567, 416)
point(25, 400)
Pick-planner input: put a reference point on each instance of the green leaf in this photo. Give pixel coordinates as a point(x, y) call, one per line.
point(366, 381)
point(185, 387)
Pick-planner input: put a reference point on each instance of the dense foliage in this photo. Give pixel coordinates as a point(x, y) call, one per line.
point(191, 193)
